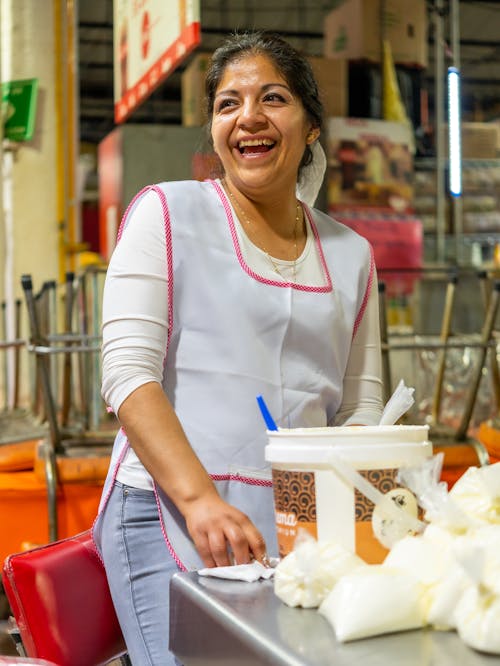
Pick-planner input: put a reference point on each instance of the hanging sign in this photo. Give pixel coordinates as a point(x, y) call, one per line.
point(19, 109)
point(151, 38)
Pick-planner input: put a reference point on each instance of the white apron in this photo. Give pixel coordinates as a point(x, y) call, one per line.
point(234, 335)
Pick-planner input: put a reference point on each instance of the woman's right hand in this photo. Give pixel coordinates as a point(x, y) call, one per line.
point(223, 535)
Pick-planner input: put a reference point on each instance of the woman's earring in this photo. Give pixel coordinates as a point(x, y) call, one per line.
point(311, 136)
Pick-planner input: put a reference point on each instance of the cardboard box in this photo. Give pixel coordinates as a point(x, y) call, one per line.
point(332, 79)
point(193, 91)
point(479, 140)
point(331, 76)
point(370, 165)
point(353, 31)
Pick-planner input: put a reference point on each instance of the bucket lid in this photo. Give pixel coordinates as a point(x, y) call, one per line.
point(369, 447)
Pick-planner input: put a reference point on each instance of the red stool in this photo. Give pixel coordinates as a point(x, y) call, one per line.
point(60, 600)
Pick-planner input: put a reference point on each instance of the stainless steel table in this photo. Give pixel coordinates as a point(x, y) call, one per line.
point(217, 622)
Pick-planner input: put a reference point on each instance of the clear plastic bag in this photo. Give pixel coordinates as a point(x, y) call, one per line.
point(306, 575)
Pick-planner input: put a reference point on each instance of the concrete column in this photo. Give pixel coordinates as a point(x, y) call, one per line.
point(28, 222)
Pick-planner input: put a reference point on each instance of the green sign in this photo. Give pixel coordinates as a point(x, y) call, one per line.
point(19, 109)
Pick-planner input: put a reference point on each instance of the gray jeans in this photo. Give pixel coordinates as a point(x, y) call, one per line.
point(139, 568)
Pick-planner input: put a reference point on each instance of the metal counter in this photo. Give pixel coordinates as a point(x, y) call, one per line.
point(217, 622)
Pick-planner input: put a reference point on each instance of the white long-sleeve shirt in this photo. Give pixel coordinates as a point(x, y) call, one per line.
point(135, 310)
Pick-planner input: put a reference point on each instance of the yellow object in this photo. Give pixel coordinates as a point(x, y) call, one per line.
point(399, 312)
point(66, 124)
point(392, 104)
point(88, 258)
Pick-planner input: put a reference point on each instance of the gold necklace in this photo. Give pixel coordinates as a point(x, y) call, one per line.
point(250, 224)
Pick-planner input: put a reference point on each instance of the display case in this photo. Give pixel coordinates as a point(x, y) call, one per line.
point(474, 239)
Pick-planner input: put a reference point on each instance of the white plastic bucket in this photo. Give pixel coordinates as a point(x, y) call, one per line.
point(310, 494)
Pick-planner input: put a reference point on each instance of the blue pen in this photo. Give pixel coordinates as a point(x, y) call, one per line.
point(266, 415)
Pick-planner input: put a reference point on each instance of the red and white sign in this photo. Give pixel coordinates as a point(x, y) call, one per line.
point(151, 38)
point(110, 175)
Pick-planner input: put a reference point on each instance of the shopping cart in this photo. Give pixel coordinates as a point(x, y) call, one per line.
point(461, 450)
point(69, 450)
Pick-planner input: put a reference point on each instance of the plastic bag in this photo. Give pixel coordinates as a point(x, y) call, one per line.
point(477, 615)
point(477, 493)
point(433, 497)
point(430, 558)
point(306, 575)
point(374, 600)
point(398, 404)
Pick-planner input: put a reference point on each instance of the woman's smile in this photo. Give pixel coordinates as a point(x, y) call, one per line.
point(255, 146)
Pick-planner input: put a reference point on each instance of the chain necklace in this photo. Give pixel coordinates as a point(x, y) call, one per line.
point(251, 224)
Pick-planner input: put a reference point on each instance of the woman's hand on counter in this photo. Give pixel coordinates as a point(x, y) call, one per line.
point(223, 535)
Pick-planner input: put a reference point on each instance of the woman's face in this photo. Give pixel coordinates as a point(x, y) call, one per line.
point(259, 127)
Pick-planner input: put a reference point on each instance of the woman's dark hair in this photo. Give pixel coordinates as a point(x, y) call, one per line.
point(291, 64)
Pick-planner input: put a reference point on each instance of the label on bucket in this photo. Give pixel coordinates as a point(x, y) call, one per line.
point(373, 530)
point(295, 506)
point(383, 479)
point(367, 545)
point(386, 529)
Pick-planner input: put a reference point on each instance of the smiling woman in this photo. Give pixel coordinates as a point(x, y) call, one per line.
point(217, 292)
